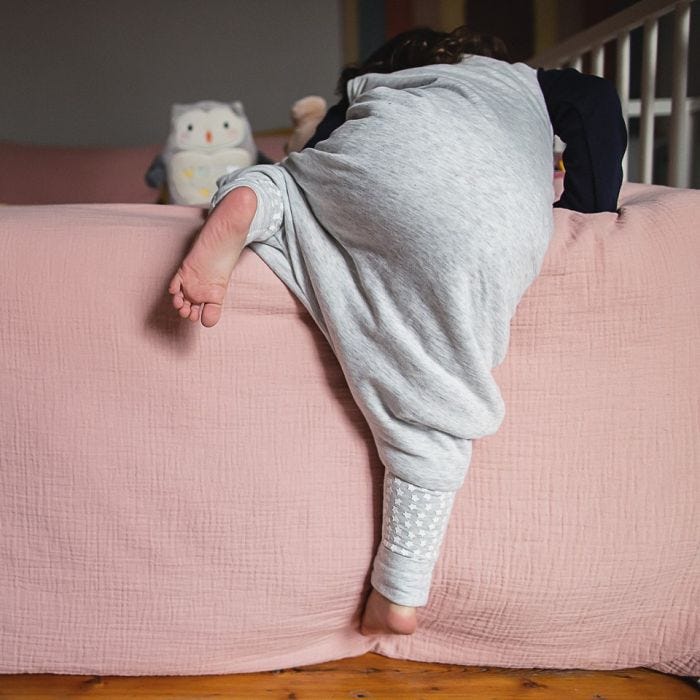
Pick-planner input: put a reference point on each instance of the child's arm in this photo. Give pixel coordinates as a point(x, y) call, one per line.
point(586, 114)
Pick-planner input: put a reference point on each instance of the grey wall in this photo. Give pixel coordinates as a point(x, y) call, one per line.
point(101, 72)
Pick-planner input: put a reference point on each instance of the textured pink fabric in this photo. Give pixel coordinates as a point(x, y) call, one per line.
point(182, 500)
point(61, 175)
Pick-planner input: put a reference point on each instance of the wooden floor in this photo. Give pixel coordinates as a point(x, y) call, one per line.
point(370, 676)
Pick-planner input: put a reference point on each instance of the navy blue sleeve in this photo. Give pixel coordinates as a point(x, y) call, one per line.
point(586, 115)
point(335, 116)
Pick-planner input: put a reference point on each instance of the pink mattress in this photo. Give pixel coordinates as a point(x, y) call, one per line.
point(181, 500)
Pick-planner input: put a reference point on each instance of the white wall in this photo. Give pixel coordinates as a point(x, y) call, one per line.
point(101, 72)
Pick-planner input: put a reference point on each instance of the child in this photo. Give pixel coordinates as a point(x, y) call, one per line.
point(410, 235)
point(585, 110)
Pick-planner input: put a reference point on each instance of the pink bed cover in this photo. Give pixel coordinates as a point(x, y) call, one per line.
point(182, 500)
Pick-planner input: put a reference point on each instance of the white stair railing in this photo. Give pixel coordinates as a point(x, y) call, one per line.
point(681, 108)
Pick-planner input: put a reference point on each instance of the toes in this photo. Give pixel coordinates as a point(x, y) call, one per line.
point(208, 313)
point(211, 313)
point(175, 283)
point(187, 309)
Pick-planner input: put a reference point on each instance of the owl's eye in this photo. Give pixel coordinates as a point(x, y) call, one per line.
point(189, 127)
point(225, 125)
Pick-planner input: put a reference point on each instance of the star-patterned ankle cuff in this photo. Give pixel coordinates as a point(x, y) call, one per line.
point(413, 526)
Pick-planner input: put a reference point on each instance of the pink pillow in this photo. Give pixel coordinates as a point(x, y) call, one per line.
point(63, 175)
point(272, 145)
point(58, 175)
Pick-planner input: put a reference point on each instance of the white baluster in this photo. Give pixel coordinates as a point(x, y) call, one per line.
point(622, 62)
point(646, 137)
point(598, 60)
point(679, 163)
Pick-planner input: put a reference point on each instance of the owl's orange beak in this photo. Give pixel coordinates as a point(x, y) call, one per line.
point(208, 136)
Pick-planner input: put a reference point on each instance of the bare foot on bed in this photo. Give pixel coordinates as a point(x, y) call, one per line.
point(199, 286)
point(381, 616)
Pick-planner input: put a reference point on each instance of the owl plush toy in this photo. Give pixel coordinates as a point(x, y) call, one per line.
point(207, 140)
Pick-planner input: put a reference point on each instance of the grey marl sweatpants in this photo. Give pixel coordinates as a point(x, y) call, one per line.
point(411, 235)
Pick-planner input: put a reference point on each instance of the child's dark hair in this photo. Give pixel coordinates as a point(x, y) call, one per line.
point(424, 46)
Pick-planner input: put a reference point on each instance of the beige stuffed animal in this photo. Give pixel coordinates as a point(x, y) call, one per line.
point(306, 115)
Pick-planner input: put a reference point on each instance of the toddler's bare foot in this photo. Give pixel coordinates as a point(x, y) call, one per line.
point(381, 616)
point(199, 285)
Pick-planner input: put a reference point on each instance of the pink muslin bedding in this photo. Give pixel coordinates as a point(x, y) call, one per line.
point(181, 500)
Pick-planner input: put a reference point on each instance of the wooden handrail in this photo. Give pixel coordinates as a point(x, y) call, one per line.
point(604, 31)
